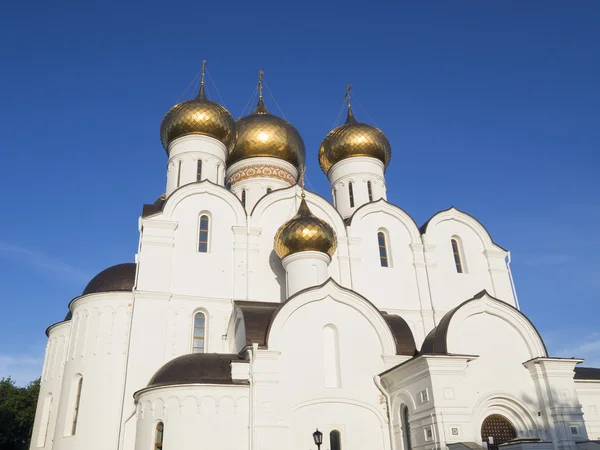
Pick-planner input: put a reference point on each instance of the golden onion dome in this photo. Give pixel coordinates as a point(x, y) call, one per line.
point(305, 232)
point(198, 116)
point(354, 139)
point(263, 134)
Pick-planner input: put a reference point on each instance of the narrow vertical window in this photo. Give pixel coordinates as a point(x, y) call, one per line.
point(244, 198)
point(351, 194)
point(335, 440)
point(456, 252)
point(76, 406)
point(334, 195)
point(269, 190)
point(203, 241)
point(199, 171)
point(158, 436)
point(406, 429)
point(199, 328)
point(331, 356)
point(383, 253)
point(370, 191)
point(45, 422)
point(179, 174)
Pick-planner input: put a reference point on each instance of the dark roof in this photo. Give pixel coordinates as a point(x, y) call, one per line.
point(257, 317)
point(116, 278)
point(156, 207)
point(405, 341)
point(587, 373)
point(435, 342)
point(69, 316)
point(196, 368)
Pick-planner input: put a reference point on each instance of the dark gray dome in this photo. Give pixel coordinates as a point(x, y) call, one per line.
point(116, 278)
point(195, 368)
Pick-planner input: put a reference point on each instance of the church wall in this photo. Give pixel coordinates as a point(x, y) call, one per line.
point(387, 287)
point(267, 277)
point(50, 385)
point(319, 373)
point(589, 396)
point(448, 287)
point(97, 354)
point(194, 416)
point(208, 274)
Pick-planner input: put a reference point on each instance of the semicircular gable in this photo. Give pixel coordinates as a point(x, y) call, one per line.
point(453, 213)
point(205, 187)
point(436, 342)
point(394, 333)
point(384, 207)
point(313, 199)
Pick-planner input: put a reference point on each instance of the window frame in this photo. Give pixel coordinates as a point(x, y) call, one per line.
point(179, 173)
point(76, 405)
point(351, 194)
point(370, 190)
point(243, 197)
point(458, 255)
point(194, 327)
point(386, 247)
point(339, 437)
point(159, 445)
point(200, 230)
point(199, 170)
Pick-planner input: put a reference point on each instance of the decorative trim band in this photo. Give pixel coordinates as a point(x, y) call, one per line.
point(261, 171)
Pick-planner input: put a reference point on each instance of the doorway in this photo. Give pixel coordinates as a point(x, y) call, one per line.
point(496, 430)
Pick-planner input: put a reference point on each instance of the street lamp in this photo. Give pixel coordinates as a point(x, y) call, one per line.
point(318, 438)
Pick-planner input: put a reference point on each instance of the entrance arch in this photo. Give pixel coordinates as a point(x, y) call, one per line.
point(495, 430)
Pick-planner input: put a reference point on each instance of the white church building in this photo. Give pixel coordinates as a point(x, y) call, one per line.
point(256, 313)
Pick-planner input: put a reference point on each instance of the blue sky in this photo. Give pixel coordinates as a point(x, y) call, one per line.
point(493, 107)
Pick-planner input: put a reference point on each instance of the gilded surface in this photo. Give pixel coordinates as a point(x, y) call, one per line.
point(198, 116)
point(262, 171)
point(354, 139)
point(263, 134)
point(305, 232)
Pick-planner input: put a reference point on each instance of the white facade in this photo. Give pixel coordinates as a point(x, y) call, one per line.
point(344, 344)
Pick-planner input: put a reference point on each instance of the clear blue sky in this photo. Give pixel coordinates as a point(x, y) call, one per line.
point(493, 107)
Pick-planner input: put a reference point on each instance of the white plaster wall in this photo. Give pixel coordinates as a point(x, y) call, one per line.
point(395, 286)
point(50, 386)
point(450, 288)
point(358, 171)
point(187, 150)
point(97, 352)
point(194, 416)
point(305, 269)
point(589, 396)
point(265, 271)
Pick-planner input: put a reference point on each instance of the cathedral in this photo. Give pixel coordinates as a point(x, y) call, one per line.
point(260, 316)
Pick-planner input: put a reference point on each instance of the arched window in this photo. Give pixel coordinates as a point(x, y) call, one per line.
point(383, 253)
point(406, 429)
point(335, 440)
point(203, 238)
point(331, 356)
point(457, 258)
point(199, 332)
point(244, 198)
point(158, 436)
point(269, 190)
point(199, 170)
point(179, 174)
point(351, 194)
point(45, 422)
point(370, 190)
point(76, 406)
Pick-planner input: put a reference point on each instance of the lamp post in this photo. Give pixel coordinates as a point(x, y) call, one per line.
point(318, 438)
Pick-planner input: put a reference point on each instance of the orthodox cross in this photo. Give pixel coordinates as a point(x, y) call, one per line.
point(347, 95)
point(202, 73)
point(302, 176)
point(261, 74)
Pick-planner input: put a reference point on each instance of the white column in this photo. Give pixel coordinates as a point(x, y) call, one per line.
point(184, 154)
point(305, 269)
point(357, 171)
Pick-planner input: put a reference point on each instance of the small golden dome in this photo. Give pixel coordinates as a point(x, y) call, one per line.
point(263, 134)
point(305, 232)
point(198, 116)
point(354, 139)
